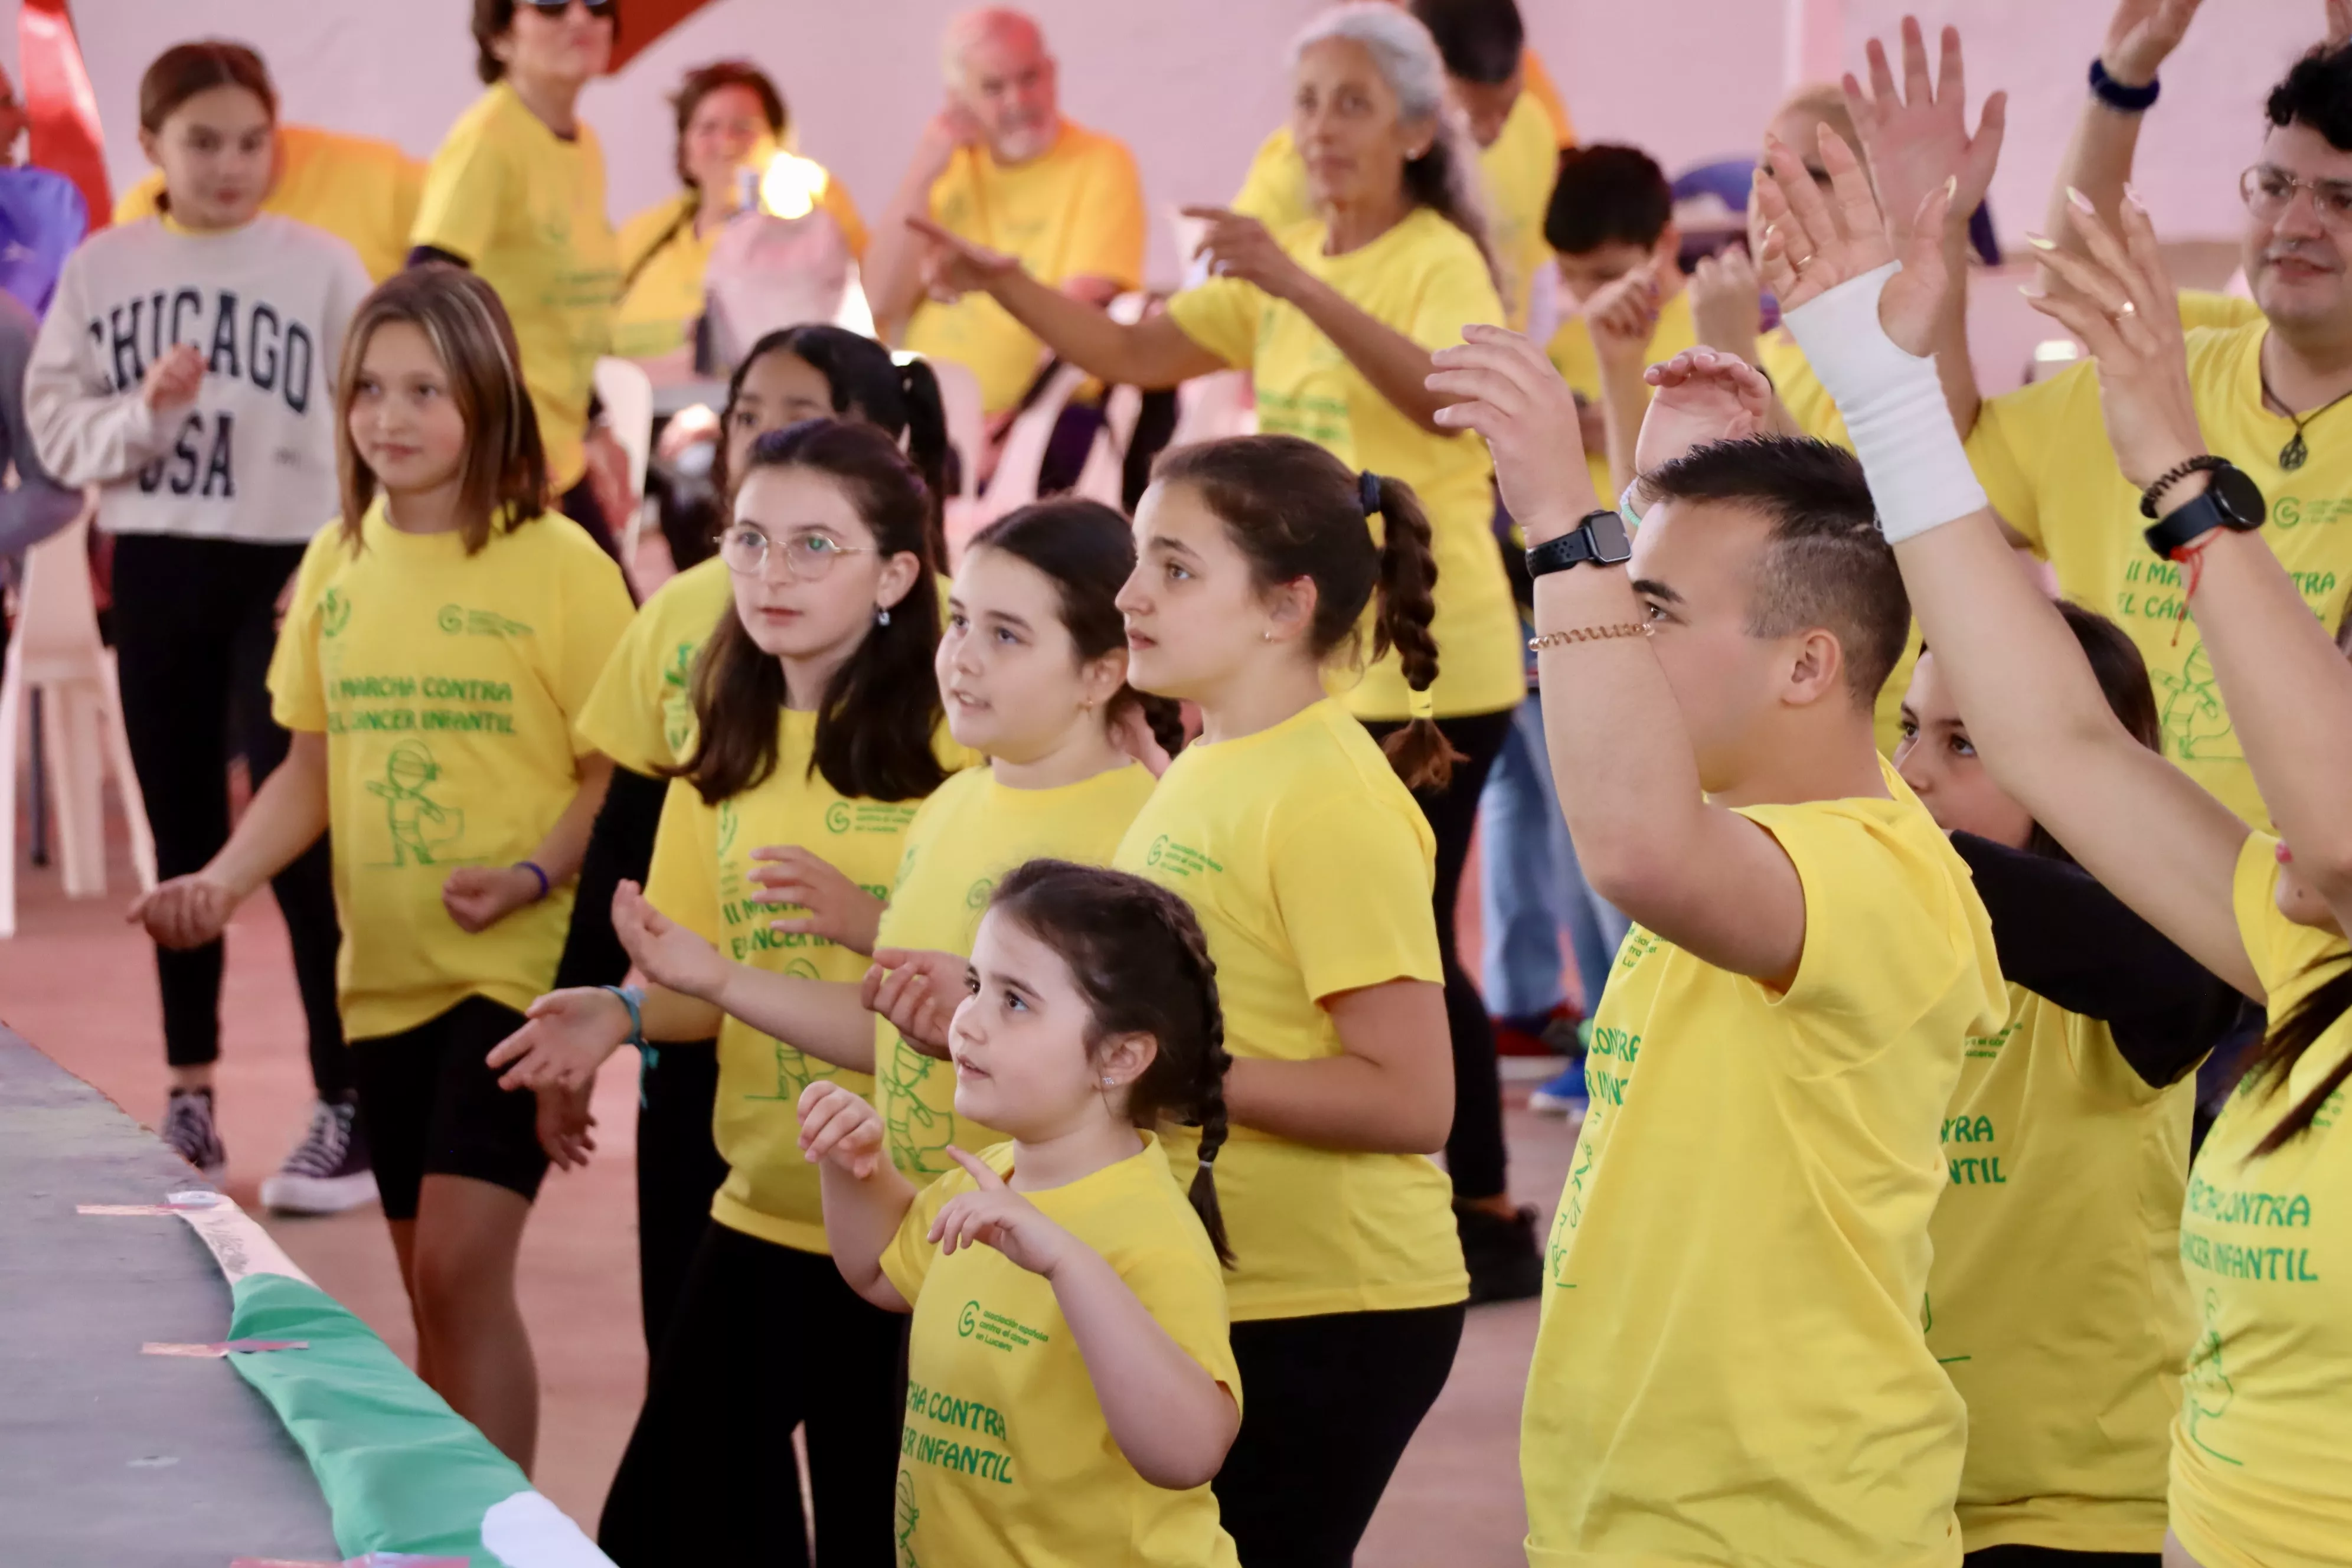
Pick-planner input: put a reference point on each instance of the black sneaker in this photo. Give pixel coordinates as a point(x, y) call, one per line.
point(1504, 1256)
point(188, 1131)
point(329, 1170)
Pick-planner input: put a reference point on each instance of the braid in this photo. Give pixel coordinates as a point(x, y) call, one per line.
point(1208, 1096)
point(1420, 751)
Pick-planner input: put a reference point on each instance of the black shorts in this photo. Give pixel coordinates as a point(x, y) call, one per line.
point(433, 1106)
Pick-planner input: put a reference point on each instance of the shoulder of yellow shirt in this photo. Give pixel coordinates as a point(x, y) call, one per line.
point(303, 144)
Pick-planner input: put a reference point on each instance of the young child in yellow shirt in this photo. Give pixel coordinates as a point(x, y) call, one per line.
point(438, 641)
point(1071, 1390)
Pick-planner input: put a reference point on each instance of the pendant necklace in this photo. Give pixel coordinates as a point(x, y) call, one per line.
point(2294, 453)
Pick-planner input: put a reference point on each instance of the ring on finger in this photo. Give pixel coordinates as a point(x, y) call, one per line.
point(2129, 308)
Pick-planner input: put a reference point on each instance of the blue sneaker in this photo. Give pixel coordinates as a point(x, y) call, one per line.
point(1563, 1095)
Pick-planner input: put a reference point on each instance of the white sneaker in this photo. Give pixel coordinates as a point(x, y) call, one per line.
point(328, 1171)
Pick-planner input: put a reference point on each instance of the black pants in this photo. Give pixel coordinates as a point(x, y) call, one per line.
point(194, 621)
point(679, 1165)
point(1474, 1150)
point(1330, 1404)
point(765, 1338)
point(2050, 1557)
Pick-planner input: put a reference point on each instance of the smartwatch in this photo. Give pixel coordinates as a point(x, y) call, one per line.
point(1600, 539)
point(2232, 500)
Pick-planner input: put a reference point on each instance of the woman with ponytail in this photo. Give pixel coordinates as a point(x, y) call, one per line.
point(1071, 1386)
point(1299, 848)
point(1336, 321)
point(816, 722)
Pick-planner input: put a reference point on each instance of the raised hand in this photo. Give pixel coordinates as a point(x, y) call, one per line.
point(954, 266)
point(1916, 136)
point(565, 1038)
point(2141, 37)
point(2340, 24)
point(919, 993)
point(1238, 246)
point(837, 909)
point(480, 897)
point(996, 1215)
point(172, 382)
point(1728, 301)
point(566, 1126)
point(1620, 317)
point(1702, 396)
point(841, 1126)
point(2122, 306)
point(663, 951)
point(1812, 246)
point(186, 911)
point(1510, 395)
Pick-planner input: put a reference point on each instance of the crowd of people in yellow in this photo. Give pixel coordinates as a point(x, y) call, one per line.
point(1040, 956)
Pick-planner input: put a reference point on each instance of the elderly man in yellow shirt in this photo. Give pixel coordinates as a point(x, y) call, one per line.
point(362, 191)
point(1001, 167)
point(1487, 69)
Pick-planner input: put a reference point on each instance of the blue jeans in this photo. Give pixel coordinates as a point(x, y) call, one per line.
point(1530, 887)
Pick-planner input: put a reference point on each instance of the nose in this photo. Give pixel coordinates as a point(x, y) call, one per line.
point(1907, 769)
point(1131, 600)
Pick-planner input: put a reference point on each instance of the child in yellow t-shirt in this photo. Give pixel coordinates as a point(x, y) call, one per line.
point(815, 721)
point(1071, 1390)
point(438, 642)
point(1298, 846)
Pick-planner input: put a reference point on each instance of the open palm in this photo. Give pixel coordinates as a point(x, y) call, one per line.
point(1812, 243)
point(1702, 396)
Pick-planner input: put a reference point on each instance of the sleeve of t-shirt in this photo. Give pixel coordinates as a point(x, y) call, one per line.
point(1265, 187)
point(1352, 886)
point(1185, 1294)
point(1221, 316)
point(464, 192)
point(1456, 290)
point(597, 616)
point(349, 285)
point(2011, 442)
point(1887, 935)
point(2280, 950)
point(684, 882)
point(298, 696)
point(908, 1257)
point(622, 717)
point(1106, 221)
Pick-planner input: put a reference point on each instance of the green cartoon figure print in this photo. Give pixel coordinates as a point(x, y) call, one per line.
point(677, 697)
point(2206, 1392)
point(905, 1515)
point(919, 1135)
point(795, 1068)
point(424, 831)
point(2195, 726)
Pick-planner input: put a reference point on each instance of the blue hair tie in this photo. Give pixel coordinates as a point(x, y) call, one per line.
point(1368, 492)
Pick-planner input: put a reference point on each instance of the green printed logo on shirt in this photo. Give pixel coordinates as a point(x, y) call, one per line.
point(459, 621)
point(1178, 859)
point(334, 612)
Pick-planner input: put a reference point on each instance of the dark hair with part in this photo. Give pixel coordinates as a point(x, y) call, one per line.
point(2272, 1064)
point(492, 21)
point(867, 382)
point(1606, 193)
point(877, 717)
point(184, 70)
point(1480, 40)
point(1088, 551)
point(502, 478)
point(1824, 564)
point(1294, 511)
point(717, 77)
point(2317, 91)
point(1136, 954)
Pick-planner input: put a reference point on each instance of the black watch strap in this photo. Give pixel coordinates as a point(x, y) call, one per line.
point(1600, 539)
point(2232, 500)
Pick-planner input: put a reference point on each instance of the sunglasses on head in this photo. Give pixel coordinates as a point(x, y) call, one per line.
point(602, 10)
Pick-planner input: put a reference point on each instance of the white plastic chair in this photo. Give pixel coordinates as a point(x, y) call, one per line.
point(967, 420)
point(627, 394)
point(56, 651)
point(1015, 483)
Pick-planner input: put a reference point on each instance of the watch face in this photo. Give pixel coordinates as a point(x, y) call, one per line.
point(2240, 498)
point(1609, 544)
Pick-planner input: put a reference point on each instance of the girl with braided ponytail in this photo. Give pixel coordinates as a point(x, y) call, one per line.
point(1071, 1387)
point(1301, 849)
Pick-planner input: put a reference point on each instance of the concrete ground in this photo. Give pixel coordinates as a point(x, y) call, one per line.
point(79, 983)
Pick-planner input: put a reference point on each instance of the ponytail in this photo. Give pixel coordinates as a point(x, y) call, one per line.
point(1420, 751)
point(926, 419)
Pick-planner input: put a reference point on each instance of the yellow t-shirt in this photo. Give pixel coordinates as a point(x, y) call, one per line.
point(1005, 1459)
point(1572, 354)
point(664, 259)
point(641, 713)
point(1311, 868)
point(445, 684)
point(2056, 1303)
point(1425, 279)
point(2260, 1477)
point(1074, 211)
point(362, 191)
point(1515, 173)
point(2041, 454)
point(1730, 1367)
point(701, 877)
point(970, 833)
point(1536, 83)
point(525, 208)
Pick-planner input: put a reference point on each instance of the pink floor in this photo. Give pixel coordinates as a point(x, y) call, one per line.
point(79, 983)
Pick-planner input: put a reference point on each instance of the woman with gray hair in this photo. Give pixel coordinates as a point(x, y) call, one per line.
point(1336, 320)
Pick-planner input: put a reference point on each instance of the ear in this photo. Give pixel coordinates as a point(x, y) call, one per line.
point(1100, 678)
point(1817, 672)
point(900, 573)
point(1125, 1058)
point(148, 143)
point(1292, 607)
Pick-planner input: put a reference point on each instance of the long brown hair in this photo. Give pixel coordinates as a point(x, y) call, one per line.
point(184, 70)
point(1089, 552)
point(1136, 954)
point(878, 715)
point(503, 482)
point(1295, 510)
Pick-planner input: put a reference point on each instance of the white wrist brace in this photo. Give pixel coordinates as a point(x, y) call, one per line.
point(1893, 408)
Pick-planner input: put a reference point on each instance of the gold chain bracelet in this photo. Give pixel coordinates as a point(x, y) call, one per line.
point(1589, 634)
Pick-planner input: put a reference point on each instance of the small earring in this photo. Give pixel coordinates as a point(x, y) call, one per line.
point(1110, 1082)
point(881, 618)
point(1266, 636)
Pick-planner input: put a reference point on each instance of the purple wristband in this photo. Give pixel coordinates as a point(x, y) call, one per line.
point(533, 867)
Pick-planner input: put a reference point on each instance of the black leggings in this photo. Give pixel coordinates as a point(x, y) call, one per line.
point(764, 1339)
point(194, 621)
point(1330, 1403)
point(2050, 1557)
point(1474, 1150)
point(679, 1165)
